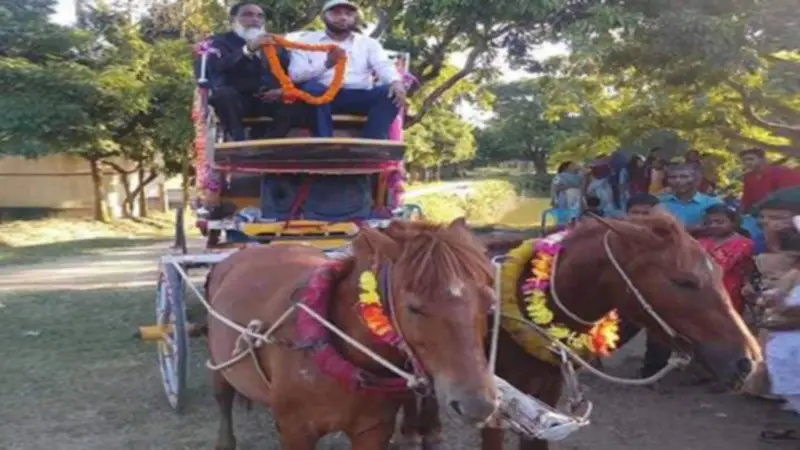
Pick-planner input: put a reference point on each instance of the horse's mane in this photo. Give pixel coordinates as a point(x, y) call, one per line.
point(434, 253)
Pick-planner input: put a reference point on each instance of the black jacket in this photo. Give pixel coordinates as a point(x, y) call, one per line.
point(228, 66)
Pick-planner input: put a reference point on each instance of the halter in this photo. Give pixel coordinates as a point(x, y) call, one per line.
point(675, 361)
point(629, 284)
point(418, 381)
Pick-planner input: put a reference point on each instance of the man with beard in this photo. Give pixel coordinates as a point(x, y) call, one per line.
point(241, 85)
point(313, 72)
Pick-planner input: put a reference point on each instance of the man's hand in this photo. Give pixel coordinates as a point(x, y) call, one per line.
point(270, 96)
point(397, 91)
point(333, 56)
point(255, 45)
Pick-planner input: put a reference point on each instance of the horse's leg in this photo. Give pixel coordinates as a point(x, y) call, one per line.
point(375, 438)
point(294, 438)
point(224, 394)
point(492, 439)
point(410, 437)
point(546, 388)
point(431, 425)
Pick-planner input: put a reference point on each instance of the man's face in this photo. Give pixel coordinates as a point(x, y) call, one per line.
point(249, 22)
point(682, 180)
point(752, 162)
point(341, 19)
point(640, 210)
point(775, 219)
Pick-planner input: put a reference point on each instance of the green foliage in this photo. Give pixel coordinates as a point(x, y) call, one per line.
point(520, 129)
point(722, 75)
point(488, 201)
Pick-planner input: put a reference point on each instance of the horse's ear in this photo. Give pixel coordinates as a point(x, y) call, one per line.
point(459, 224)
point(629, 230)
point(374, 243)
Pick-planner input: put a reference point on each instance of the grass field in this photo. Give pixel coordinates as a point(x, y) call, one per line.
point(32, 241)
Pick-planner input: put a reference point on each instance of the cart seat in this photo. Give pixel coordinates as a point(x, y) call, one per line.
point(338, 119)
point(338, 154)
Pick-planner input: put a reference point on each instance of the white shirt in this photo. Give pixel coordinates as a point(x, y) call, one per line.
point(365, 59)
point(782, 354)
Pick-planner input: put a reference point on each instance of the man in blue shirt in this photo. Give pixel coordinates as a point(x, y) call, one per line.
point(684, 202)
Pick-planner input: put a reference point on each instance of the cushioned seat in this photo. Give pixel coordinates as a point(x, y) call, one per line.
point(337, 118)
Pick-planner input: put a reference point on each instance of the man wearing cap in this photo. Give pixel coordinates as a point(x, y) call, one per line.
point(240, 83)
point(313, 73)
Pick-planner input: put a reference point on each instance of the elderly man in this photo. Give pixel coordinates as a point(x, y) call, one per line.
point(685, 202)
point(240, 83)
point(366, 58)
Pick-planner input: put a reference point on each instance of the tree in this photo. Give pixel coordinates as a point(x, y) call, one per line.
point(521, 128)
point(734, 62)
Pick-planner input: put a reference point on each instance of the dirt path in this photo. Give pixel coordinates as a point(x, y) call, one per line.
point(73, 378)
point(129, 267)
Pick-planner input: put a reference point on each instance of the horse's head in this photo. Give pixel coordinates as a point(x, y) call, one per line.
point(440, 292)
point(673, 288)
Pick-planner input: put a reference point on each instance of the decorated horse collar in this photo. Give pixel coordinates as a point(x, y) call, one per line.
point(311, 334)
point(542, 254)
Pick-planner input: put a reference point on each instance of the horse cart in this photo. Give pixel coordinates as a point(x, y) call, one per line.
point(298, 189)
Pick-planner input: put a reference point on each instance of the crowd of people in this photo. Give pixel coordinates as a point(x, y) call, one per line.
point(759, 258)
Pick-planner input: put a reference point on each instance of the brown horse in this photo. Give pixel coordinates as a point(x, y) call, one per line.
point(672, 274)
point(435, 287)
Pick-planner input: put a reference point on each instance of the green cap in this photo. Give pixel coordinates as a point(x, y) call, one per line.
point(787, 199)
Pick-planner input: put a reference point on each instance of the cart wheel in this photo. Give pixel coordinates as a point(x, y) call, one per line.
point(173, 351)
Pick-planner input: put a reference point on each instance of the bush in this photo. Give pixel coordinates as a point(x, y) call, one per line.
point(488, 200)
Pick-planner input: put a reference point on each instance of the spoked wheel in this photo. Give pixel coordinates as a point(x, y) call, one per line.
point(173, 351)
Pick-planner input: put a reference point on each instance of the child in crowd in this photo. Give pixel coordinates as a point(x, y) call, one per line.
point(730, 249)
point(641, 204)
point(566, 191)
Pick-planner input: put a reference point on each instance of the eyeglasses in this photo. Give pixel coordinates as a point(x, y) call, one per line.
point(260, 15)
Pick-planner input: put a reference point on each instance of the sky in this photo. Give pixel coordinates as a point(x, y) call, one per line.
point(65, 12)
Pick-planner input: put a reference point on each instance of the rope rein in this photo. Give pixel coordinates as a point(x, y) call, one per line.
point(251, 338)
point(675, 361)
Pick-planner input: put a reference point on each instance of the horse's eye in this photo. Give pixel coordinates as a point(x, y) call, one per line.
point(415, 310)
point(686, 282)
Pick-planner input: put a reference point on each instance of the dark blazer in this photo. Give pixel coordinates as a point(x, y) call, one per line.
point(228, 66)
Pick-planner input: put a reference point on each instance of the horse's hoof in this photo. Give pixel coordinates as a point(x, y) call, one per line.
point(433, 443)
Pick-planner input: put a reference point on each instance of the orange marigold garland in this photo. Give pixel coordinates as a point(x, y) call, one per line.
point(289, 92)
point(369, 306)
point(603, 336)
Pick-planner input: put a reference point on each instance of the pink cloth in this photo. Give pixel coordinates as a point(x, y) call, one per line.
point(396, 128)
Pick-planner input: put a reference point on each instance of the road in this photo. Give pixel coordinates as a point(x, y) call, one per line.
point(460, 188)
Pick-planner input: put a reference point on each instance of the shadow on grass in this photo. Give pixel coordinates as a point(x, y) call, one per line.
point(32, 254)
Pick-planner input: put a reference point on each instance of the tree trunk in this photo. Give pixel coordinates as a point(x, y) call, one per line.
point(100, 206)
point(142, 197)
point(539, 162)
point(185, 166)
point(127, 202)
